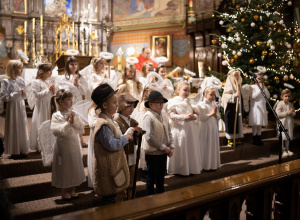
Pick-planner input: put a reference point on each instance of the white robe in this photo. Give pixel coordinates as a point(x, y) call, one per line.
point(92, 119)
point(187, 158)
point(16, 138)
point(258, 111)
point(95, 79)
point(41, 110)
point(67, 165)
point(209, 136)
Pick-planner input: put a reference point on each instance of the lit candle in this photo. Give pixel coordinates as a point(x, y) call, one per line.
point(96, 34)
point(33, 23)
point(41, 20)
point(73, 26)
point(25, 27)
point(89, 6)
point(90, 28)
point(96, 9)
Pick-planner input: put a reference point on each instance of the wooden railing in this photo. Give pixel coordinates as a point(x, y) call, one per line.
point(270, 193)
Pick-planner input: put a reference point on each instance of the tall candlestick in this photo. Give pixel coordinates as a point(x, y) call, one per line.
point(41, 20)
point(96, 9)
point(90, 28)
point(33, 23)
point(42, 45)
point(73, 26)
point(25, 27)
point(89, 6)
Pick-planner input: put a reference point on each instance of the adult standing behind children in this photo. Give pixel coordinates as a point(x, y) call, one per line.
point(143, 58)
point(157, 142)
point(110, 169)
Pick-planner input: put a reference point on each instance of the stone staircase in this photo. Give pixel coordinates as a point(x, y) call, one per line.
point(28, 183)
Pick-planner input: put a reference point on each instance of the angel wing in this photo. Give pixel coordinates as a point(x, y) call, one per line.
point(31, 100)
point(82, 109)
point(156, 85)
point(46, 142)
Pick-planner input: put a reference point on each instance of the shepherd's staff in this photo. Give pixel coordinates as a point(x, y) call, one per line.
point(236, 109)
point(138, 152)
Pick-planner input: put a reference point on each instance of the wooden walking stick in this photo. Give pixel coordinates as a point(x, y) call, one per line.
point(138, 152)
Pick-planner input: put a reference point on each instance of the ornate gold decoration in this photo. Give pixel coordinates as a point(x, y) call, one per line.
point(20, 29)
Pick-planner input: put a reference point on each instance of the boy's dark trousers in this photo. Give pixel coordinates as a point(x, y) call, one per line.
point(155, 173)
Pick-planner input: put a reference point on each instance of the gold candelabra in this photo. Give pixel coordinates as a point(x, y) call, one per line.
point(82, 42)
point(42, 46)
point(90, 44)
point(33, 44)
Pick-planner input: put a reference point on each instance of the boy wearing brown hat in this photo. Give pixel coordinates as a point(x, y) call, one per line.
point(110, 169)
point(127, 104)
point(157, 142)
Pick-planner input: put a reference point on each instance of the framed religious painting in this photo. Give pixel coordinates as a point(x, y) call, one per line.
point(161, 46)
point(20, 6)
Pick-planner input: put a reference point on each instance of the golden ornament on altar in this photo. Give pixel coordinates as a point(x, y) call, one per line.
point(214, 41)
point(261, 28)
point(231, 60)
point(264, 53)
point(236, 57)
point(255, 17)
point(258, 43)
point(251, 61)
point(230, 29)
point(270, 54)
point(279, 31)
point(243, 19)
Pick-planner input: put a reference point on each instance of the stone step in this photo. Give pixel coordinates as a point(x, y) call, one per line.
point(54, 205)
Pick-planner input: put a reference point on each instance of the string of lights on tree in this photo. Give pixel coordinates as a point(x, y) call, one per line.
point(257, 34)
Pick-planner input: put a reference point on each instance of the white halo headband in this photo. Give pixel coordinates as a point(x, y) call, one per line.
point(132, 60)
point(106, 55)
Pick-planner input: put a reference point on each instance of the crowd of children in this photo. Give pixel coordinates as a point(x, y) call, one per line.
point(181, 136)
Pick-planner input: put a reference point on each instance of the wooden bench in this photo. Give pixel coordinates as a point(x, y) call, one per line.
point(223, 197)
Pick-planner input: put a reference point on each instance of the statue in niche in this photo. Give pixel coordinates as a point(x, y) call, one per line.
point(54, 8)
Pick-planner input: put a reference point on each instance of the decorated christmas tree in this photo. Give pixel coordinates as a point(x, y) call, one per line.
point(261, 35)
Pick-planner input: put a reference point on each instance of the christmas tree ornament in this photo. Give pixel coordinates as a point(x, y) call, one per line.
point(276, 79)
point(239, 43)
point(232, 60)
point(270, 41)
point(270, 4)
point(252, 24)
point(233, 2)
point(258, 43)
point(290, 3)
point(221, 22)
point(251, 61)
point(237, 7)
point(273, 65)
point(279, 31)
point(258, 6)
point(243, 19)
point(292, 77)
point(239, 53)
point(230, 29)
point(266, 77)
point(236, 57)
point(270, 54)
point(219, 54)
point(233, 52)
point(223, 84)
point(285, 78)
point(272, 47)
point(264, 53)
point(255, 17)
point(213, 50)
point(261, 28)
point(271, 22)
point(214, 41)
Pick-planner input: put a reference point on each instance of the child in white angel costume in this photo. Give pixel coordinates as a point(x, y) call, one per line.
point(67, 165)
point(208, 130)
point(42, 90)
point(167, 89)
point(187, 158)
point(13, 92)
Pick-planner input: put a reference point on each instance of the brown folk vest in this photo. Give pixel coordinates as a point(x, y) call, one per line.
point(110, 169)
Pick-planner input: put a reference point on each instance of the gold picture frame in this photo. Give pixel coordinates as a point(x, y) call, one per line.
point(161, 45)
point(18, 9)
